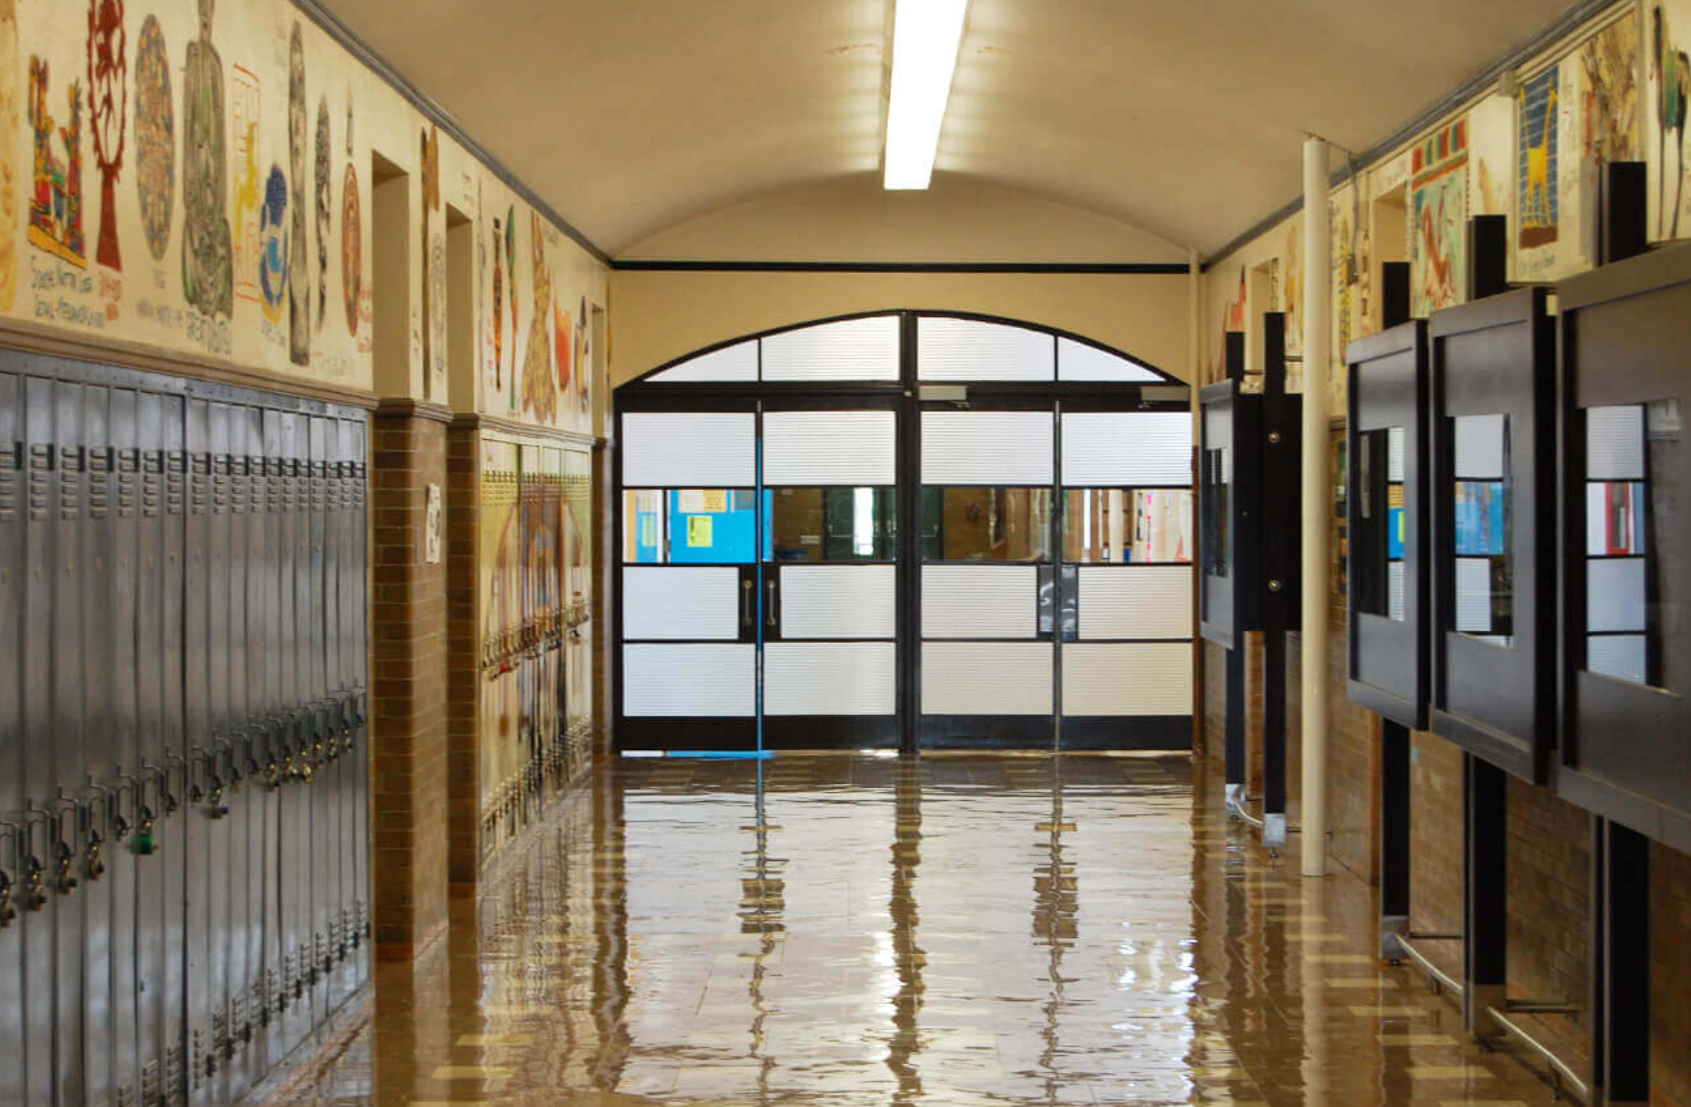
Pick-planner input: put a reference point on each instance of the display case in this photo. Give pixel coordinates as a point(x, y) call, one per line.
point(1249, 473)
point(1386, 524)
point(1626, 646)
point(1493, 520)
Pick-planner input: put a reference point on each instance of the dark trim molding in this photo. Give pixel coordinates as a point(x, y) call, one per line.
point(470, 420)
point(331, 25)
point(404, 407)
point(1141, 268)
point(1583, 11)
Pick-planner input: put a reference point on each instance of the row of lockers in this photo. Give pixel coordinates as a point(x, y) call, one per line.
point(184, 862)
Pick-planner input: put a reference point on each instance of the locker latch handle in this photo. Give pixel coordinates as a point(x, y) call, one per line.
point(64, 882)
point(8, 913)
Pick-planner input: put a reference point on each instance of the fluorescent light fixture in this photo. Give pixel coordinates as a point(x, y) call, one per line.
point(925, 37)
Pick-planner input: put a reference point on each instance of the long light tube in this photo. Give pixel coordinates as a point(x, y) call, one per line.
point(925, 37)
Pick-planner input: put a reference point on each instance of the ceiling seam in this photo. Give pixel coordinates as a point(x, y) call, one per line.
point(331, 25)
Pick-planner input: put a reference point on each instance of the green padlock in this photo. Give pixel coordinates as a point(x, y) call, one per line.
point(142, 842)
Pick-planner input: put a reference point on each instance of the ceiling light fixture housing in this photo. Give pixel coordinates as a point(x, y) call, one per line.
point(925, 38)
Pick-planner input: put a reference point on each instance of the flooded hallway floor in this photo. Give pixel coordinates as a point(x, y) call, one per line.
point(870, 930)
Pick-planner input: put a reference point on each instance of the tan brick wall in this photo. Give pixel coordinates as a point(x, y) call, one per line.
point(463, 615)
point(1353, 755)
point(1549, 859)
point(1670, 977)
point(408, 701)
point(1214, 699)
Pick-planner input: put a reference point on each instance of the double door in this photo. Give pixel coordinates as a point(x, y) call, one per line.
point(871, 571)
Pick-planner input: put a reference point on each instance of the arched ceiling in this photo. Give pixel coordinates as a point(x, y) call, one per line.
point(1182, 118)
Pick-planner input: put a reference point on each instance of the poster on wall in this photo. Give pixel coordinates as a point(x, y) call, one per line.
point(1668, 94)
point(1606, 71)
point(1438, 217)
point(1544, 248)
point(1491, 145)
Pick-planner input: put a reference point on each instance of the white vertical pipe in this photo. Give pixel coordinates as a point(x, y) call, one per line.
point(1116, 506)
point(1317, 502)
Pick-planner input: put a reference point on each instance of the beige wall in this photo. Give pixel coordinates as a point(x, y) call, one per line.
point(658, 316)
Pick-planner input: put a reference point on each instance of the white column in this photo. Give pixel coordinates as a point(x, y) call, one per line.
point(1317, 502)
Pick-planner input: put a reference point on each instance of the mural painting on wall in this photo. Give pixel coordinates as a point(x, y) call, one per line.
point(1438, 217)
point(8, 154)
point(1608, 118)
point(1538, 164)
point(206, 261)
point(299, 295)
point(498, 310)
point(274, 256)
point(249, 182)
point(501, 618)
point(1232, 322)
point(55, 212)
point(155, 138)
point(1491, 147)
point(434, 270)
point(540, 396)
point(1342, 217)
point(108, 115)
point(563, 340)
point(352, 249)
point(1670, 99)
point(511, 291)
point(325, 200)
point(582, 384)
point(1290, 296)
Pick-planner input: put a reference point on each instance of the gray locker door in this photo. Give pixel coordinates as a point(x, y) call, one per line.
point(361, 653)
point(64, 743)
point(122, 708)
point(97, 760)
point(334, 782)
point(196, 699)
point(12, 644)
point(273, 707)
point(233, 769)
point(40, 603)
point(151, 939)
point(319, 881)
point(296, 614)
point(256, 711)
point(174, 739)
point(208, 752)
point(348, 613)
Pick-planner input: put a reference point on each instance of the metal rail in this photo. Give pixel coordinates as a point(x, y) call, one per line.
point(1439, 977)
point(1562, 1074)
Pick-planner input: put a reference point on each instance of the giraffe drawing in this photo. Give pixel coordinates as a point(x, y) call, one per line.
point(1535, 199)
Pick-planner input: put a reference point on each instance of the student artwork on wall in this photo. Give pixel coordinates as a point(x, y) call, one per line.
point(248, 181)
point(1668, 93)
point(299, 297)
point(352, 249)
point(207, 276)
point(108, 115)
point(1290, 298)
point(1541, 248)
point(55, 211)
point(1606, 69)
point(540, 395)
point(275, 256)
point(1438, 216)
point(1491, 166)
point(325, 205)
point(8, 155)
point(155, 138)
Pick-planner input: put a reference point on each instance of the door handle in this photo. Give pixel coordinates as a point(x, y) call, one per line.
point(746, 603)
point(771, 619)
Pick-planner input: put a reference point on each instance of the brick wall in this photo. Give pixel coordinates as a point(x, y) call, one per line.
point(1353, 754)
point(1214, 699)
point(1435, 846)
point(463, 635)
point(408, 717)
point(1549, 859)
point(1670, 977)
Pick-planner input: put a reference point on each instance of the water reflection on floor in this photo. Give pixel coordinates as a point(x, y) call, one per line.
point(861, 930)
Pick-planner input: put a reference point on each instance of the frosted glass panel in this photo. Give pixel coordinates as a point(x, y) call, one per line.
point(1614, 594)
point(1614, 443)
point(986, 678)
point(849, 350)
point(830, 447)
point(705, 680)
point(971, 350)
point(1139, 602)
point(830, 678)
point(986, 447)
point(1481, 442)
point(1127, 447)
point(1076, 361)
point(839, 601)
point(731, 363)
point(689, 449)
point(980, 601)
point(1394, 455)
point(681, 603)
point(1128, 678)
point(1618, 655)
point(1473, 595)
point(1394, 585)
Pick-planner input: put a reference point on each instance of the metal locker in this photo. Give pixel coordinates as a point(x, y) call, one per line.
point(360, 573)
point(63, 745)
point(230, 755)
point(212, 801)
point(171, 768)
point(256, 710)
point(95, 540)
point(196, 715)
point(13, 908)
point(296, 847)
point(319, 799)
point(154, 857)
point(341, 979)
point(272, 707)
point(350, 614)
point(42, 904)
point(112, 792)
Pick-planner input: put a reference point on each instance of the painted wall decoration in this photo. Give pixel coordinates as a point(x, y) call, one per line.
point(108, 115)
point(206, 261)
point(275, 257)
point(55, 213)
point(352, 249)
point(325, 205)
point(1537, 106)
point(1438, 217)
point(155, 138)
point(583, 383)
point(249, 181)
point(1491, 144)
point(511, 292)
point(299, 295)
point(8, 155)
point(539, 396)
point(1290, 296)
point(563, 340)
point(1607, 70)
point(1670, 99)
point(434, 270)
point(498, 311)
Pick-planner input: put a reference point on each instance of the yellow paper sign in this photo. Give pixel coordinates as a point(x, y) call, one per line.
point(716, 499)
point(698, 530)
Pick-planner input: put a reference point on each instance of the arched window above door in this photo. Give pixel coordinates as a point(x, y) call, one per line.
point(949, 348)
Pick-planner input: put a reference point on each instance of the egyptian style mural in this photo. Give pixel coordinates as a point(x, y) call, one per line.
point(185, 175)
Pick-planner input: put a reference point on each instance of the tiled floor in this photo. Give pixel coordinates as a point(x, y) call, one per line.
point(861, 930)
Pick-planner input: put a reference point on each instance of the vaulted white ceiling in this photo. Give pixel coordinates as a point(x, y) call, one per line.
point(1182, 118)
